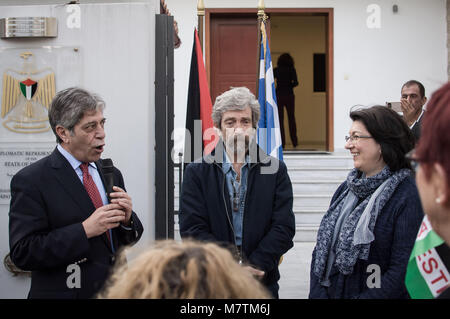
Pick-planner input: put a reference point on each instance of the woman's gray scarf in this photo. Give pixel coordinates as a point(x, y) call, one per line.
point(356, 233)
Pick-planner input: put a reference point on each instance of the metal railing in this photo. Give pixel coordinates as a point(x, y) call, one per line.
point(179, 165)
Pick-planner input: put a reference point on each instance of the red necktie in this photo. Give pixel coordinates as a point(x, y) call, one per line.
point(92, 190)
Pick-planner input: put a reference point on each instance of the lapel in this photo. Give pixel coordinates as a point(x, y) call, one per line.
point(225, 192)
point(71, 184)
point(100, 172)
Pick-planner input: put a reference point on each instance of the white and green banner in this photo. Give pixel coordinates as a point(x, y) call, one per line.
point(427, 274)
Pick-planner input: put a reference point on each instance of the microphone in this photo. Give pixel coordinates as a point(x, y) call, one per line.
point(108, 169)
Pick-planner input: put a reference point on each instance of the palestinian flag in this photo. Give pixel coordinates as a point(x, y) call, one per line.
point(199, 107)
point(28, 88)
point(427, 274)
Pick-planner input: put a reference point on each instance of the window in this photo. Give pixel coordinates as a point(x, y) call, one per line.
point(319, 72)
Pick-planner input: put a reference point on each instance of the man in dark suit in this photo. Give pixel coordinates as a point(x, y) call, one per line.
point(412, 101)
point(62, 226)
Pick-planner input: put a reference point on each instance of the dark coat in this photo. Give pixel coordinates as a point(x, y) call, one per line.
point(445, 294)
point(268, 224)
point(286, 80)
point(395, 232)
point(48, 205)
point(416, 129)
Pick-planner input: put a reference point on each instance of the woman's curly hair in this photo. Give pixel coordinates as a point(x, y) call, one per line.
point(183, 270)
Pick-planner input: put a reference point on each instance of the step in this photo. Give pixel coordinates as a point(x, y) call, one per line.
point(311, 200)
point(309, 216)
point(315, 186)
point(317, 173)
point(318, 161)
point(306, 233)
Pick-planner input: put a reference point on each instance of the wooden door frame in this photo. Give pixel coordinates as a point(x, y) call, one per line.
point(328, 12)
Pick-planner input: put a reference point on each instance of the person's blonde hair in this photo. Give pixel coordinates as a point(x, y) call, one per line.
point(188, 269)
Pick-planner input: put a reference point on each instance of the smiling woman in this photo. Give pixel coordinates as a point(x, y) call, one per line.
point(365, 150)
point(374, 215)
point(384, 140)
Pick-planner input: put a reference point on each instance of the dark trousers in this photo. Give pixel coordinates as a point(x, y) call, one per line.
point(287, 101)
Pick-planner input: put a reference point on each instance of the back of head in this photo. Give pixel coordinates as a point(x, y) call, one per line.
point(390, 131)
point(70, 105)
point(174, 270)
point(285, 60)
point(434, 143)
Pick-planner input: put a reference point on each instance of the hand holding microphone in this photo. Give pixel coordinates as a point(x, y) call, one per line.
point(111, 215)
point(116, 194)
point(103, 218)
point(121, 198)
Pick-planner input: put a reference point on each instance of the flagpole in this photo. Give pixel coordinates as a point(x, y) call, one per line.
point(200, 15)
point(261, 7)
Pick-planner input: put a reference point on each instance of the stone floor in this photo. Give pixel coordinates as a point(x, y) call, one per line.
point(294, 271)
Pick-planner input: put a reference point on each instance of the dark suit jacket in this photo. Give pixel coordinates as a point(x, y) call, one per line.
point(416, 129)
point(48, 205)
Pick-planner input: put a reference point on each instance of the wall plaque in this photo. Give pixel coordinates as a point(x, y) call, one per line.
point(28, 27)
point(13, 160)
point(29, 80)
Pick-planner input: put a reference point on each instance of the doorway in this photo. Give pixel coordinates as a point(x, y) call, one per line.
point(303, 37)
point(307, 35)
point(233, 52)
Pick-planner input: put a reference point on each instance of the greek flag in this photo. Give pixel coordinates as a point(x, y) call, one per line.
point(269, 135)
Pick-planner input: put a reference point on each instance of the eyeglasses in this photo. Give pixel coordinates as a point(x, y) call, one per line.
point(355, 138)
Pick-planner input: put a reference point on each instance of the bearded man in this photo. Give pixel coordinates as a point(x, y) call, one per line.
point(238, 196)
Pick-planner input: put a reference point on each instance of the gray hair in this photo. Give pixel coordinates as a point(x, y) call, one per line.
point(237, 98)
point(70, 105)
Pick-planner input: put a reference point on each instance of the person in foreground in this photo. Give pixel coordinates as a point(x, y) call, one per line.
point(366, 236)
point(61, 226)
point(183, 270)
point(238, 195)
point(433, 173)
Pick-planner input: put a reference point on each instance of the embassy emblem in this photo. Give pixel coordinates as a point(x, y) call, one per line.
point(26, 97)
